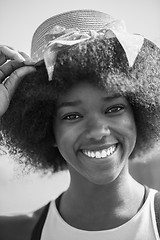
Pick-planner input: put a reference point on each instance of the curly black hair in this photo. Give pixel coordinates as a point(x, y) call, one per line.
point(27, 126)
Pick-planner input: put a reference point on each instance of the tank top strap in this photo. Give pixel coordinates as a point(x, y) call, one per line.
point(36, 234)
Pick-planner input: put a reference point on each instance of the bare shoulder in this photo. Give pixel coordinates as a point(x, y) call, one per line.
point(18, 227)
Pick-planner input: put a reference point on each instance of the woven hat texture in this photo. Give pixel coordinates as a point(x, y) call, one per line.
point(85, 20)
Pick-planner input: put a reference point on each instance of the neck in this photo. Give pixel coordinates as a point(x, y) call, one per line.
point(99, 207)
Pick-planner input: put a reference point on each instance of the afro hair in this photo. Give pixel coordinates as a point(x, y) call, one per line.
point(27, 126)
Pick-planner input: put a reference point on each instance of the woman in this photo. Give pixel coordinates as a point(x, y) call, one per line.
point(90, 104)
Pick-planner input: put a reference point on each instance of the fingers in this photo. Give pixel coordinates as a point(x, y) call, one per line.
point(10, 60)
point(7, 53)
point(28, 60)
point(14, 66)
point(12, 82)
point(8, 68)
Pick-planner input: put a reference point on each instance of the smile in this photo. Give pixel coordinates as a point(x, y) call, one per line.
point(101, 153)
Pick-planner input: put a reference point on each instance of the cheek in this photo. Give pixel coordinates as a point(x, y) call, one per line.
point(129, 128)
point(65, 139)
point(60, 135)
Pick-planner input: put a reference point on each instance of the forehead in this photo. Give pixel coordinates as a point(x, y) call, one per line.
point(83, 92)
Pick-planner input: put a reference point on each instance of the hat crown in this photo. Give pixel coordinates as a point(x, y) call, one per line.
point(84, 20)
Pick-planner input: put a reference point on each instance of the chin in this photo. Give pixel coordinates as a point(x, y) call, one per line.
point(103, 180)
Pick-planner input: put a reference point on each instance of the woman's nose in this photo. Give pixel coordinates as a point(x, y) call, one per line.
point(97, 129)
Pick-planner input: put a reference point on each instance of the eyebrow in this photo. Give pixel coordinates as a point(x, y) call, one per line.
point(105, 99)
point(69, 104)
point(78, 102)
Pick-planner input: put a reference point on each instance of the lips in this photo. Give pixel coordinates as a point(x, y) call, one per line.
point(101, 153)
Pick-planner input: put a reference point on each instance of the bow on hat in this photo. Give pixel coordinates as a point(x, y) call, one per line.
point(60, 38)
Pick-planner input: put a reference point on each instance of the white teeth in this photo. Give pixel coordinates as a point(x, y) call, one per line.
point(103, 153)
point(100, 154)
point(92, 154)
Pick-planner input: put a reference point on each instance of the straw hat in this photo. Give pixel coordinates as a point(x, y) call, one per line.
point(84, 20)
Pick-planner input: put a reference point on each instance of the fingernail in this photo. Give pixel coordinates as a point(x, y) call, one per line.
point(21, 59)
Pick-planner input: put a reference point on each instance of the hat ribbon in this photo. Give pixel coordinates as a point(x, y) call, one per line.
point(60, 38)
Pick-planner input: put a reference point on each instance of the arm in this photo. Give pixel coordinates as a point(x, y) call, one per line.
point(13, 67)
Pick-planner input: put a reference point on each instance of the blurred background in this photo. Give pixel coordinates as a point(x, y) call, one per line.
point(21, 191)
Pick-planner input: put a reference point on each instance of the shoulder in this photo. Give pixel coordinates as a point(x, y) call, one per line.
point(18, 227)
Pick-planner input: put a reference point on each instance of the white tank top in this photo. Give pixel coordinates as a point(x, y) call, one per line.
point(141, 227)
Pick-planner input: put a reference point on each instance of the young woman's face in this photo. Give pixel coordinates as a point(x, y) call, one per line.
point(95, 133)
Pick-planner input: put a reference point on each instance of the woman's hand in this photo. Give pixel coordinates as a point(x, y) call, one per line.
point(13, 67)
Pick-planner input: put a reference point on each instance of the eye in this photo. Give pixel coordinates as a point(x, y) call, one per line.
point(115, 109)
point(72, 116)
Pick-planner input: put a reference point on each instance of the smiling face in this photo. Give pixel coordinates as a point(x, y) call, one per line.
point(95, 133)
